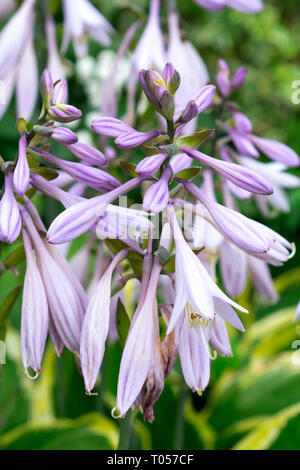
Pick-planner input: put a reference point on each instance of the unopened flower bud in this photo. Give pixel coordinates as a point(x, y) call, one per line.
point(63, 135)
point(172, 78)
point(64, 113)
point(239, 77)
point(60, 92)
point(47, 88)
point(167, 105)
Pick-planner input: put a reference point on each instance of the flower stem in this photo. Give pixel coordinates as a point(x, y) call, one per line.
point(126, 428)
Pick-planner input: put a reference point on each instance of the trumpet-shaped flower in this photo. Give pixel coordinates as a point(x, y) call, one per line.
point(35, 314)
point(193, 284)
point(96, 325)
point(81, 19)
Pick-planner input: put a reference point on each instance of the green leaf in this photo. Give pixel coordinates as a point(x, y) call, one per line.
point(123, 322)
point(89, 432)
point(188, 173)
point(194, 140)
point(129, 168)
point(15, 257)
point(136, 261)
point(47, 173)
point(270, 430)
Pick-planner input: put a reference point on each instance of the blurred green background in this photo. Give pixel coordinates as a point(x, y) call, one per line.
point(253, 400)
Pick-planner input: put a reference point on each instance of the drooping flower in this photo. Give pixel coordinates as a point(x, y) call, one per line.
point(18, 65)
point(194, 285)
point(10, 219)
point(185, 58)
point(96, 325)
point(138, 352)
point(54, 64)
point(82, 19)
point(66, 298)
point(35, 314)
point(150, 50)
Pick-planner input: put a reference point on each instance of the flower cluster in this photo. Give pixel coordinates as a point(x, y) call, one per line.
point(189, 223)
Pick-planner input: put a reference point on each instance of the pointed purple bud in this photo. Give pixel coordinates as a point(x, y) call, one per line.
point(135, 138)
point(63, 135)
point(168, 72)
point(276, 150)
point(205, 97)
point(234, 226)
point(64, 113)
point(190, 112)
point(110, 127)
point(88, 154)
point(243, 144)
point(237, 174)
point(150, 165)
point(223, 83)
point(242, 123)
point(93, 177)
point(60, 92)
point(47, 88)
point(157, 196)
point(35, 315)
point(171, 78)
point(239, 77)
point(21, 172)
point(10, 219)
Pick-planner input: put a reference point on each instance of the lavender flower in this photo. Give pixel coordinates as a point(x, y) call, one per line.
point(194, 286)
point(82, 19)
point(18, 67)
point(21, 172)
point(95, 326)
point(10, 219)
point(35, 315)
point(150, 50)
point(66, 298)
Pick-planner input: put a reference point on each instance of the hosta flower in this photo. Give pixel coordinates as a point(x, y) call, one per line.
point(18, 66)
point(54, 64)
point(278, 178)
point(150, 50)
point(138, 352)
point(194, 286)
point(10, 219)
point(66, 298)
point(255, 6)
point(35, 314)
point(185, 58)
point(82, 19)
point(95, 326)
